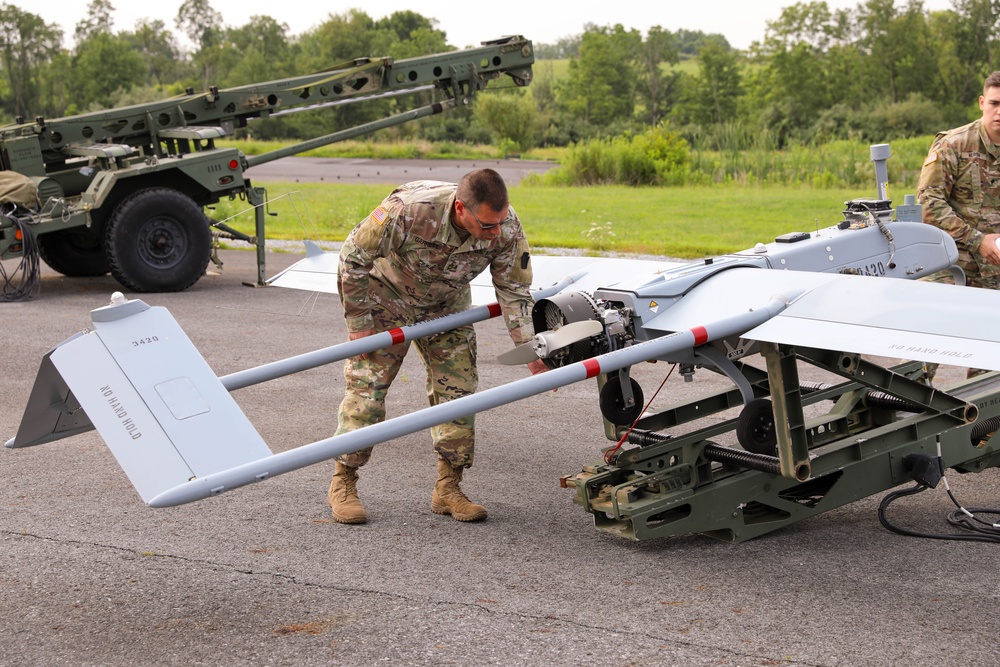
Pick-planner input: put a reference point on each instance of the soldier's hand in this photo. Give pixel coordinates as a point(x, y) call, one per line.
point(988, 249)
point(355, 335)
point(538, 366)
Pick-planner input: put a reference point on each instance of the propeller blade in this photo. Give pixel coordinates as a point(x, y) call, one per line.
point(556, 339)
point(522, 354)
point(547, 342)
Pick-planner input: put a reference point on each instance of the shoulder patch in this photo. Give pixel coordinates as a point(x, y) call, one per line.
point(931, 158)
point(379, 215)
point(368, 235)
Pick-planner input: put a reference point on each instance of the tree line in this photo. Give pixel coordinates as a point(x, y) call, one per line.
point(879, 71)
point(107, 68)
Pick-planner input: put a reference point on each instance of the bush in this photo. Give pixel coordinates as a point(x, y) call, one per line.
point(455, 126)
point(513, 120)
point(656, 157)
point(913, 117)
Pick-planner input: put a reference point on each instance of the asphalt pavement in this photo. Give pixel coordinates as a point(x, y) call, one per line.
point(260, 575)
point(391, 172)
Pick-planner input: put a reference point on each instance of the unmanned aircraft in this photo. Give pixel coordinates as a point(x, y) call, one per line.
point(822, 298)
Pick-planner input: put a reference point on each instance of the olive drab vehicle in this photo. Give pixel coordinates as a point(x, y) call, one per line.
point(123, 190)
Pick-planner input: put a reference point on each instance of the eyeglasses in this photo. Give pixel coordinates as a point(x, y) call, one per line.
point(510, 216)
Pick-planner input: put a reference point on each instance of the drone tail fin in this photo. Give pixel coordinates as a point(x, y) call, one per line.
point(137, 378)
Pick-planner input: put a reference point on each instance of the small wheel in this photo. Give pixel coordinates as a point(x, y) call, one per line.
point(158, 240)
point(76, 252)
point(612, 401)
point(755, 428)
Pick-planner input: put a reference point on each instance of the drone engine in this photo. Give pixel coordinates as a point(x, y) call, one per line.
point(569, 307)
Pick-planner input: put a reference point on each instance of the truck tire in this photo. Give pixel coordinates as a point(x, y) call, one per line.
point(157, 240)
point(78, 252)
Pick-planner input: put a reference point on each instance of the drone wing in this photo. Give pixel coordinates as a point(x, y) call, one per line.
point(916, 320)
point(589, 273)
point(317, 272)
point(887, 317)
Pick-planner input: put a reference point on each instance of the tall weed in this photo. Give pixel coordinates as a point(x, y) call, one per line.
point(733, 155)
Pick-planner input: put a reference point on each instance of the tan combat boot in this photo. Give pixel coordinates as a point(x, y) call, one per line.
point(343, 495)
point(448, 497)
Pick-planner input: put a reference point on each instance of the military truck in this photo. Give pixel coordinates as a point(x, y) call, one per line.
point(123, 190)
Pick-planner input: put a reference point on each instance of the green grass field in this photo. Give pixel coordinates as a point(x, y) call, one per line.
point(686, 222)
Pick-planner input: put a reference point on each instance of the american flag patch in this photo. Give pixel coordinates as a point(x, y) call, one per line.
point(379, 215)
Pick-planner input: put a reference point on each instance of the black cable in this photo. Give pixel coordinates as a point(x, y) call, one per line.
point(961, 518)
point(965, 517)
point(23, 282)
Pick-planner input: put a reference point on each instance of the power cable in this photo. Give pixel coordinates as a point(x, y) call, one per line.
point(927, 472)
point(23, 282)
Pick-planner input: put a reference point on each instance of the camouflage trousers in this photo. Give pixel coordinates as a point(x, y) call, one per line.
point(450, 360)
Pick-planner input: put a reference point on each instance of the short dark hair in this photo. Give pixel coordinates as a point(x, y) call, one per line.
point(483, 186)
point(992, 81)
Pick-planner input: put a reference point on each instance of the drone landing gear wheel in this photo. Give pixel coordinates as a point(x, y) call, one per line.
point(755, 428)
point(612, 402)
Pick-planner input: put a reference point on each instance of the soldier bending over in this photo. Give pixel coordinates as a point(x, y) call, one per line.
point(411, 260)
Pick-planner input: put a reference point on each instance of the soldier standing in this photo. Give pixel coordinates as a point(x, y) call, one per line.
point(960, 192)
point(411, 260)
point(960, 188)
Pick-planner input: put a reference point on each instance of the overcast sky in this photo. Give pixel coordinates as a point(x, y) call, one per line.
point(468, 23)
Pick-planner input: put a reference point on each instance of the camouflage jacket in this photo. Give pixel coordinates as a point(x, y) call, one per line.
point(410, 246)
point(960, 192)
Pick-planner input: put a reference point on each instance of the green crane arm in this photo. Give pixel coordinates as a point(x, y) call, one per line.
point(458, 73)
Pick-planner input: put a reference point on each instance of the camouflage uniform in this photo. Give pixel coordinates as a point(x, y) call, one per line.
point(960, 192)
point(406, 263)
